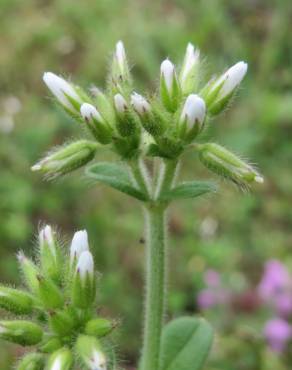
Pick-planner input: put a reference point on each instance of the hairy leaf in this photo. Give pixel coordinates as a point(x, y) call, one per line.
point(189, 189)
point(116, 176)
point(185, 345)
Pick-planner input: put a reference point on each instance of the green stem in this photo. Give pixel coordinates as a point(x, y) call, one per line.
point(156, 272)
point(155, 286)
point(139, 174)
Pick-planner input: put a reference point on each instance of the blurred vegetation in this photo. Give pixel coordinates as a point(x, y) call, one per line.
point(231, 232)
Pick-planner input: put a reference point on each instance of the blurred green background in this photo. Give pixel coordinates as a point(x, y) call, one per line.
point(231, 232)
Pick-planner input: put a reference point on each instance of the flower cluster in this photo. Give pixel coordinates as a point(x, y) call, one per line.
point(275, 290)
point(163, 124)
point(56, 312)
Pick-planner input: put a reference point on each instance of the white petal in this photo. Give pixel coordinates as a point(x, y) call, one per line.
point(120, 103)
point(191, 59)
point(85, 264)
point(194, 110)
point(121, 55)
point(167, 70)
point(59, 87)
point(88, 111)
point(232, 78)
point(79, 244)
point(139, 103)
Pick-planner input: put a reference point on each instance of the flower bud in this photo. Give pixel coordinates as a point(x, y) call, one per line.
point(49, 294)
point(15, 301)
point(29, 271)
point(99, 327)
point(228, 165)
point(121, 78)
point(21, 332)
point(66, 159)
point(169, 86)
point(150, 119)
point(126, 123)
point(89, 349)
point(190, 69)
point(65, 93)
point(218, 93)
point(32, 361)
point(79, 244)
point(192, 117)
point(50, 255)
point(84, 285)
point(60, 360)
point(96, 123)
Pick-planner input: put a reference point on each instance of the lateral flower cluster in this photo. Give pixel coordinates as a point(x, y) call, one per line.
point(163, 124)
point(56, 312)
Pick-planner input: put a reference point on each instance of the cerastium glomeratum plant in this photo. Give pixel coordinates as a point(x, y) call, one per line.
point(56, 312)
point(149, 134)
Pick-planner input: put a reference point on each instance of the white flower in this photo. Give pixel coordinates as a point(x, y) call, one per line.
point(120, 103)
point(46, 237)
point(193, 111)
point(168, 73)
point(231, 79)
point(60, 88)
point(140, 104)
point(79, 244)
point(191, 60)
point(97, 361)
point(85, 264)
point(89, 112)
point(57, 364)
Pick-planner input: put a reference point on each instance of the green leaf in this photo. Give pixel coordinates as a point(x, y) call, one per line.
point(116, 176)
point(189, 189)
point(186, 343)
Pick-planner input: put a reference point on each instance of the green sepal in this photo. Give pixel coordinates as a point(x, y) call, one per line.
point(49, 294)
point(116, 176)
point(166, 147)
point(31, 361)
point(90, 351)
point(16, 301)
point(185, 344)
point(30, 272)
point(50, 344)
point(63, 357)
point(189, 189)
point(83, 291)
point(62, 321)
point(99, 327)
point(21, 332)
point(127, 147)
point(170, 99)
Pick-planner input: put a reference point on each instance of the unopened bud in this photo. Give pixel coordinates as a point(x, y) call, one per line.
point(96, 123)
point(67, 159)
point(15, 301)
point(121, 78)
point(50, 344)
point(29, 271)
point(60, 360)
point(169, 86)
point(65, 93)
point(62, 322)
point(79, 244)
point(190, 68)
point(99, 327)
point(140, 104)
point(228, 165)
point(84, 285)
point(32, 361)
point(192, 117)
point(90, 351)
point(219, 93)
point(126, 120)
point(21, 332)
point(49, 294)
point(50, 255)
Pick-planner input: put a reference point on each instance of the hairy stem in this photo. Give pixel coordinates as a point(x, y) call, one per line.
point(140, 176)
point(156, 261)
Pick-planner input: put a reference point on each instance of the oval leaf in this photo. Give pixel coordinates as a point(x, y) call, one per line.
point(189, 189)
point(116, 176)
point(185, 344)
